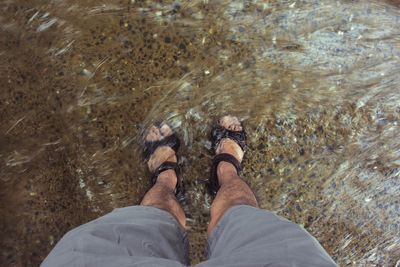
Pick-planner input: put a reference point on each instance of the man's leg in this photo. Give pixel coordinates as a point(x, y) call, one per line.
point(241, 234)
point(233, 190)
point(162, 196)
point(147, 235)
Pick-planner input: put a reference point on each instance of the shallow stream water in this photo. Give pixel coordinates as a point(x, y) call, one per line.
point(316, 84)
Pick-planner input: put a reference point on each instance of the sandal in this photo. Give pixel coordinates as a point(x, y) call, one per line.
point(217, 134)
point(173, 142)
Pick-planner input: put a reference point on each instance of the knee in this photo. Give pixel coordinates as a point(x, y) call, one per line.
point(244, 200)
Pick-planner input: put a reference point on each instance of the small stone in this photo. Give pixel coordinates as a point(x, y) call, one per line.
point(182, 46)
point(51, 239)
point(167, 39)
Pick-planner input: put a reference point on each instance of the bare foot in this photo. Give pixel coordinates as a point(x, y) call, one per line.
point(162, 153)
point(227, 145)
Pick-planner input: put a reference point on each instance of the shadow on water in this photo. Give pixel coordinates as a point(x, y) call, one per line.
point(315, 82)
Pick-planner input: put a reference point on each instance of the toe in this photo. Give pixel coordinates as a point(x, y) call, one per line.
point(225, 121)
point(238, 128)
point(235, 120)
point(156, 130)
point(153, 134)
point(166, 130)
point(231, 123)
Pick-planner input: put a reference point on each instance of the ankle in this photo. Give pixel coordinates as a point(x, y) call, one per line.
point(226, 172)
point(168, 179)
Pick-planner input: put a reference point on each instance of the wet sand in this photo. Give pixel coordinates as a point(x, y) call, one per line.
point(316, 84)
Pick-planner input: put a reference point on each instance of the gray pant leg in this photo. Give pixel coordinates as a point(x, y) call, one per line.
point(247, 236)
point(132, 236)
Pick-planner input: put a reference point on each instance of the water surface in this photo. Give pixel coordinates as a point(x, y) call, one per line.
point(316, 84)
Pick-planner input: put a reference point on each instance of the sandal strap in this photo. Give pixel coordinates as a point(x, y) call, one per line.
point(227, 158)
point(150, 146)
point(214, 184)
point(218, 133)
point(169, 165)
